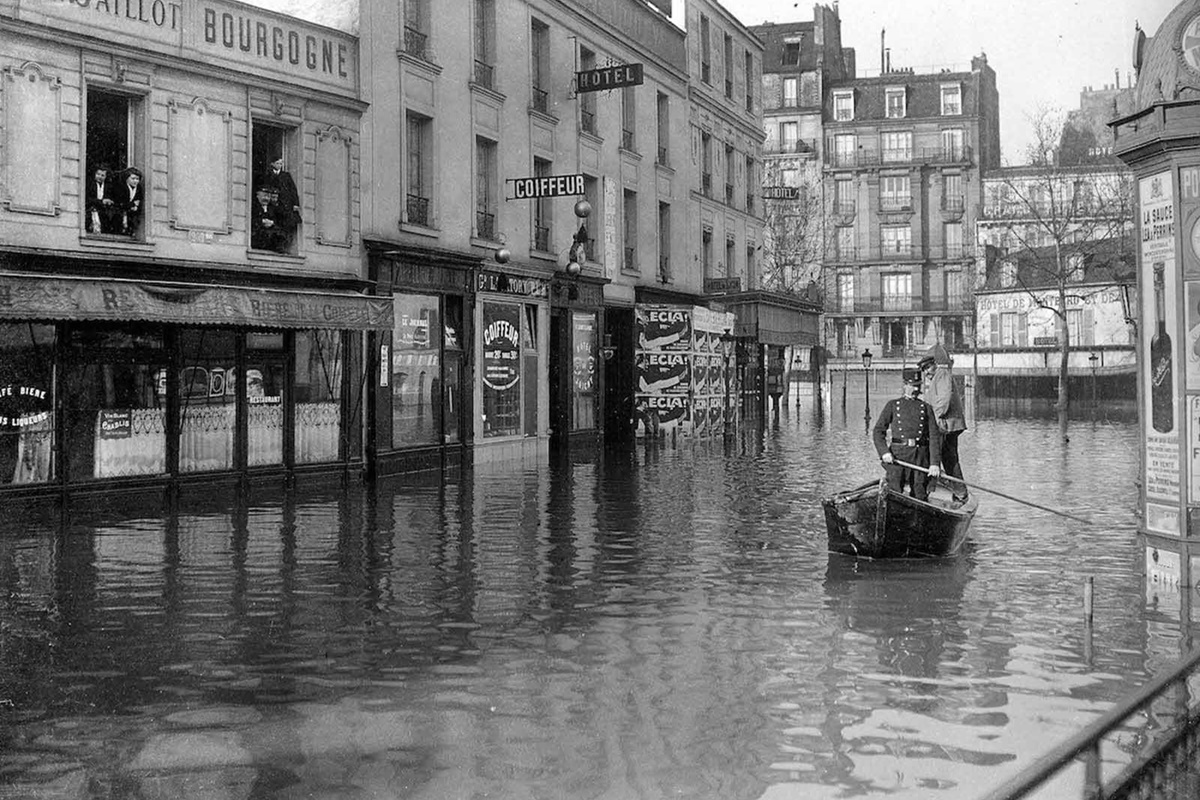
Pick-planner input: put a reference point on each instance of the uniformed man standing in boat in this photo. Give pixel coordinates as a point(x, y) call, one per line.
point(907, 430)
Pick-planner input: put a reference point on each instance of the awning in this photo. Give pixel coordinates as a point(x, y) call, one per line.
point(28, 297)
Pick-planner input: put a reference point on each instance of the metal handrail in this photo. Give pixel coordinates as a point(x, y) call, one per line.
point(1087, 742)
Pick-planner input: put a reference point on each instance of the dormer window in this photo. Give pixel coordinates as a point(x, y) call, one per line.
point(895, 104)
point(951, 99)
point(843, 105)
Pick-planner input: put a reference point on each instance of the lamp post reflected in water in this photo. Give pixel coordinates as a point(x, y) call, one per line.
point(1094, 360)
point(866, 359)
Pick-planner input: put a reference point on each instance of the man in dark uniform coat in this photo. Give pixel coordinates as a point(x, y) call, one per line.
point(287, 199)
point(907, 430)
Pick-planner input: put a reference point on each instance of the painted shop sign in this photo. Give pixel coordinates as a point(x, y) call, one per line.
point(501, 352)
point(22, 406)
point(115, 424)
point(246, 37)
point(603, 78)
point(545, 186)
point(502, 283)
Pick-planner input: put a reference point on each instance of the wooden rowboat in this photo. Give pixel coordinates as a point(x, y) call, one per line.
point(873, 521)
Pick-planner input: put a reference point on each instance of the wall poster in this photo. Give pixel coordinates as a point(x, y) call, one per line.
point(1158, 378)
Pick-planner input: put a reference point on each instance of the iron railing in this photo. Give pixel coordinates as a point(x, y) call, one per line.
point(630, 259)
point(485, 225)
point(904, 155)
point(415, 43)
point(729, 193)
point(844, 208)
point(896, 203)
point(626, 139)
point(484, 74)
point(587, 120)
point(749, 202)
point(541, 239)
point(953, 202)
point(706, 184)
point(541, 100)
point(417, 209)
point(662, 155)
point(1165, 764)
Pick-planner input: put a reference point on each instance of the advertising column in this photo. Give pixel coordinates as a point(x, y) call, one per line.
point(1159, 372)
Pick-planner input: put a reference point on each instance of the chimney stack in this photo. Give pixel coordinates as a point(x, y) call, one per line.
point(882, 51)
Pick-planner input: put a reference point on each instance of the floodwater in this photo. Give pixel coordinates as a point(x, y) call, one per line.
point(648, 623)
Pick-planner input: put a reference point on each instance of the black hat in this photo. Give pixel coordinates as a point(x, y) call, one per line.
point(925, 362)
point(911, 375)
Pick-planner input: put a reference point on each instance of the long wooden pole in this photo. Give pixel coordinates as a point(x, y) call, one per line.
point(993, 491)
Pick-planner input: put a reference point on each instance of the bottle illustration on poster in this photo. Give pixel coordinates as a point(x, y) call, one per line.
point(1161, 369)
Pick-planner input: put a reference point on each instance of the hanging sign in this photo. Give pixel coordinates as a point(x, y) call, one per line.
point(544, 186)
point(603, 78)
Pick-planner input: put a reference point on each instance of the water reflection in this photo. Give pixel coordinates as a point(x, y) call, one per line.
point(649, 622)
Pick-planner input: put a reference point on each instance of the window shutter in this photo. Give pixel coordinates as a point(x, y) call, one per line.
point(1088, 328)
point(1022, 334)
point(994, 332)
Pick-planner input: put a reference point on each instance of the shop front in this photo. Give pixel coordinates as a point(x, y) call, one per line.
point(422, 405)
point(512, 320)
point(108, 382)
point(577, 349)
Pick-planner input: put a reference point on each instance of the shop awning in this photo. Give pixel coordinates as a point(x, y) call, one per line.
point(28, 297)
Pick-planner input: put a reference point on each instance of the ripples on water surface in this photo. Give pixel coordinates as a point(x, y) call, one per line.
point(658, 623)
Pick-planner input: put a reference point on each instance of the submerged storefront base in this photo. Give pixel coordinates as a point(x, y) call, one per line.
point(110, 382)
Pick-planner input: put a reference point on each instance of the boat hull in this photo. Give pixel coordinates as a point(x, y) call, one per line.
point(874, 522)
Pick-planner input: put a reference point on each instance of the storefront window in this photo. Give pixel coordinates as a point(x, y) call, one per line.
point(529, 357)
point(26, 403)
point(452, 368)
point(114, 391)
point(319, 367)
point(583, 381)
point(416, 371)
point(207, 394)
point(264, 396)
point(501, 367)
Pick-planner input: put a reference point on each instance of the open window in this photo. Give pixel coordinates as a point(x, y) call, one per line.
point(275, 199)
point(113, 183)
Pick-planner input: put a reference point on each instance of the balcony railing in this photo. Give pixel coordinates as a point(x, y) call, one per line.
point(417, 210)
point(706, 72)
point(788, 147)
point(662, 155)
point(848, 253)
point(587, 121)
point(844, 208)
point(956, 251)
point(903, 203)
point(626, 139)
point(630, 262)
point(728, 87)
point(415, 43)
point(541, 100)
point(897, 302)
point(895, 250)
point(484, 74)
point(729, 193)
point(870, 157)
point(749, 202)
point(706, 184)
point(955, 202)
point(485, 225)
point(541, 239)
point(664, 268)
point(954, 302)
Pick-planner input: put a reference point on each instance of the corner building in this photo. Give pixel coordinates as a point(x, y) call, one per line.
point(160, 341)
point(497, 349)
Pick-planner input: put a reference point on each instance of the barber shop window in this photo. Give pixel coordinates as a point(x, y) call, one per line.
point(113, 182)
point(510, 369)
point(26, 403)
point(320, 365)
point(276, 199)
point(114, 389)
point(583, 370)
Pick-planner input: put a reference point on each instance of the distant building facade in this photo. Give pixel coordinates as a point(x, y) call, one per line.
point(903, 158)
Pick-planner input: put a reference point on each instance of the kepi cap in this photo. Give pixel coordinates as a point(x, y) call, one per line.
point(911, 375)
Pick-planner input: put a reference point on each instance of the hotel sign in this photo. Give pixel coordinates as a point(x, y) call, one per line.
point(545, 186)
point(604, 78)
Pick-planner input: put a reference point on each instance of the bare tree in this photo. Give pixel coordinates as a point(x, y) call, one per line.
point(793, 226)
point(1060, 223)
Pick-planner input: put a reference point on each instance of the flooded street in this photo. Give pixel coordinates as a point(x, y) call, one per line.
point(648, 623)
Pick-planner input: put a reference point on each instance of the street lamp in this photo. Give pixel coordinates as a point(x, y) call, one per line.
point(866, 358)
point(1094, 360)
point(727, 339)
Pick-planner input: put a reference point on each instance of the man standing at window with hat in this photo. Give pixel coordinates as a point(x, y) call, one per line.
point(938, 387)
point(907, 430)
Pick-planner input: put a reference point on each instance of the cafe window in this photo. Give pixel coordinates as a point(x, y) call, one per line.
point(275, 199)
point(583, 380)
point(416, 371)
point(115, 142)
point(26, 403)
point(319, 367)
point(264, 396)
point(114, 392)
point(207, 394)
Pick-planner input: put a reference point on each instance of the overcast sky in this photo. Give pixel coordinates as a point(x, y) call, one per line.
point(1043, 51)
